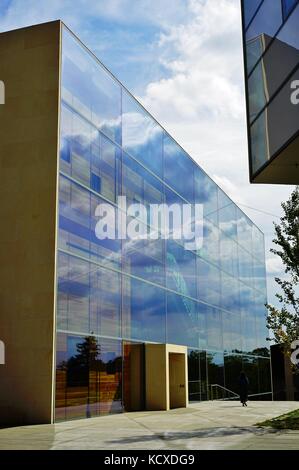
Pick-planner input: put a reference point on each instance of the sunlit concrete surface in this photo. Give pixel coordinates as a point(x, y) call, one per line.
point(208, 425)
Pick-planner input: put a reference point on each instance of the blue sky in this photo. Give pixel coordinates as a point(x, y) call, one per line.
point(183, 61)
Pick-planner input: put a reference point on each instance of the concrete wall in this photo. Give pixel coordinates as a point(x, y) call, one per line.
point(29, 68)
point(157, 370)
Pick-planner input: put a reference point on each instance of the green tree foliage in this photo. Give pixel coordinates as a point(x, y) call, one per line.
point(283, 321)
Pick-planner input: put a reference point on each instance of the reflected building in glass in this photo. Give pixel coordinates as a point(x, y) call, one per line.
point(125, 312)
point(271, 56)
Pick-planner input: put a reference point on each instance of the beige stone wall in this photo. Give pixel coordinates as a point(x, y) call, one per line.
point(158, 385)
point(29, 68)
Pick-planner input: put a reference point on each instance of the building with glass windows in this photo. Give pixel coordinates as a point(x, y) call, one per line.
point(271, 56)
point(96, 326)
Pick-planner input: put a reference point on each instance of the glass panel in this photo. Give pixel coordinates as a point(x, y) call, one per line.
point(142, 136)
point(194, 375)
point(258, 246)
point(244, 228)
point(88, 297)
point(264, 367)
point(228, 255)
point(269, 132)
point(227, 212)
point(250, 367)
point(105, 302)
point(138, 185)
point(214, 331)
point(89, 89)
point(77, 375)
point(203, 376)
point(232, 369)
point(210, 247)
point(61, 362)
point(78, 223)
point(180, 269)
point(230, 293)
point(260, 151)
point(88, 376)
point(206, 193)
point(266, 22)
point(260, 311)
point(259, 275)
point(87, 156)
point(193, 365)
point(287, 6)
point(182, 320)
point(249, 9)
point(215, 362)
point(208, 283)
point(245, 267)
point(232, 339)
point(143, 311)
point(73, 294)
point(277, 63)
point(247, 296)
point(178, 169)
point(110, 377)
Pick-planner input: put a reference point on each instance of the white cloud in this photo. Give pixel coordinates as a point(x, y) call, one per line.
point(202, 104)
point(274, 266)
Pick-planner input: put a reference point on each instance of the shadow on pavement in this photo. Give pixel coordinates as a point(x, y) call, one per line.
point(202, 434)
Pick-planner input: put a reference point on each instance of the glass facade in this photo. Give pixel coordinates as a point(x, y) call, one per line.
point(271, 45)
point(116, 295)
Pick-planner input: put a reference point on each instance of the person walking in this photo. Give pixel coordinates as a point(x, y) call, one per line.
point(243, 385)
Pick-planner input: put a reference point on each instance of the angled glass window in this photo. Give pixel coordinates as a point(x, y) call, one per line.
point(178, 169)
point(142, 137)
point(89, 88)
point(277, 63)
point(227, 213)
point(249, 8)
point(206, 193)
point(210, 247)
point(244, 229)
point(265, 25)
point(287, 7)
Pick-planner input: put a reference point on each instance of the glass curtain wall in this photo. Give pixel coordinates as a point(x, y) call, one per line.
point(116, 293)
point(272, 61)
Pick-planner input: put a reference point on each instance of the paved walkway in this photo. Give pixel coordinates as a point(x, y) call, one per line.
point(208, 425)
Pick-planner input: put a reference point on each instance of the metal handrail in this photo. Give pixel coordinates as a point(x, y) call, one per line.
point(222, 388)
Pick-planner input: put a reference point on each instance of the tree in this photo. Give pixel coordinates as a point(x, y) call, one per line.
point(283, 321)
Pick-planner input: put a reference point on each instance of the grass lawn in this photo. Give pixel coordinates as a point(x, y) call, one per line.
point(287, 421)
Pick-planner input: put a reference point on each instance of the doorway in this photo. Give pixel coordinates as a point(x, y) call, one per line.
point(177, 380)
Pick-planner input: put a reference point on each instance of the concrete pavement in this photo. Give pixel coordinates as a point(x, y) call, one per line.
point(207, 425)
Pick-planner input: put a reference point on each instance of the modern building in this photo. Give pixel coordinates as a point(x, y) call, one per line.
point(271, 58)
point(95, 326)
